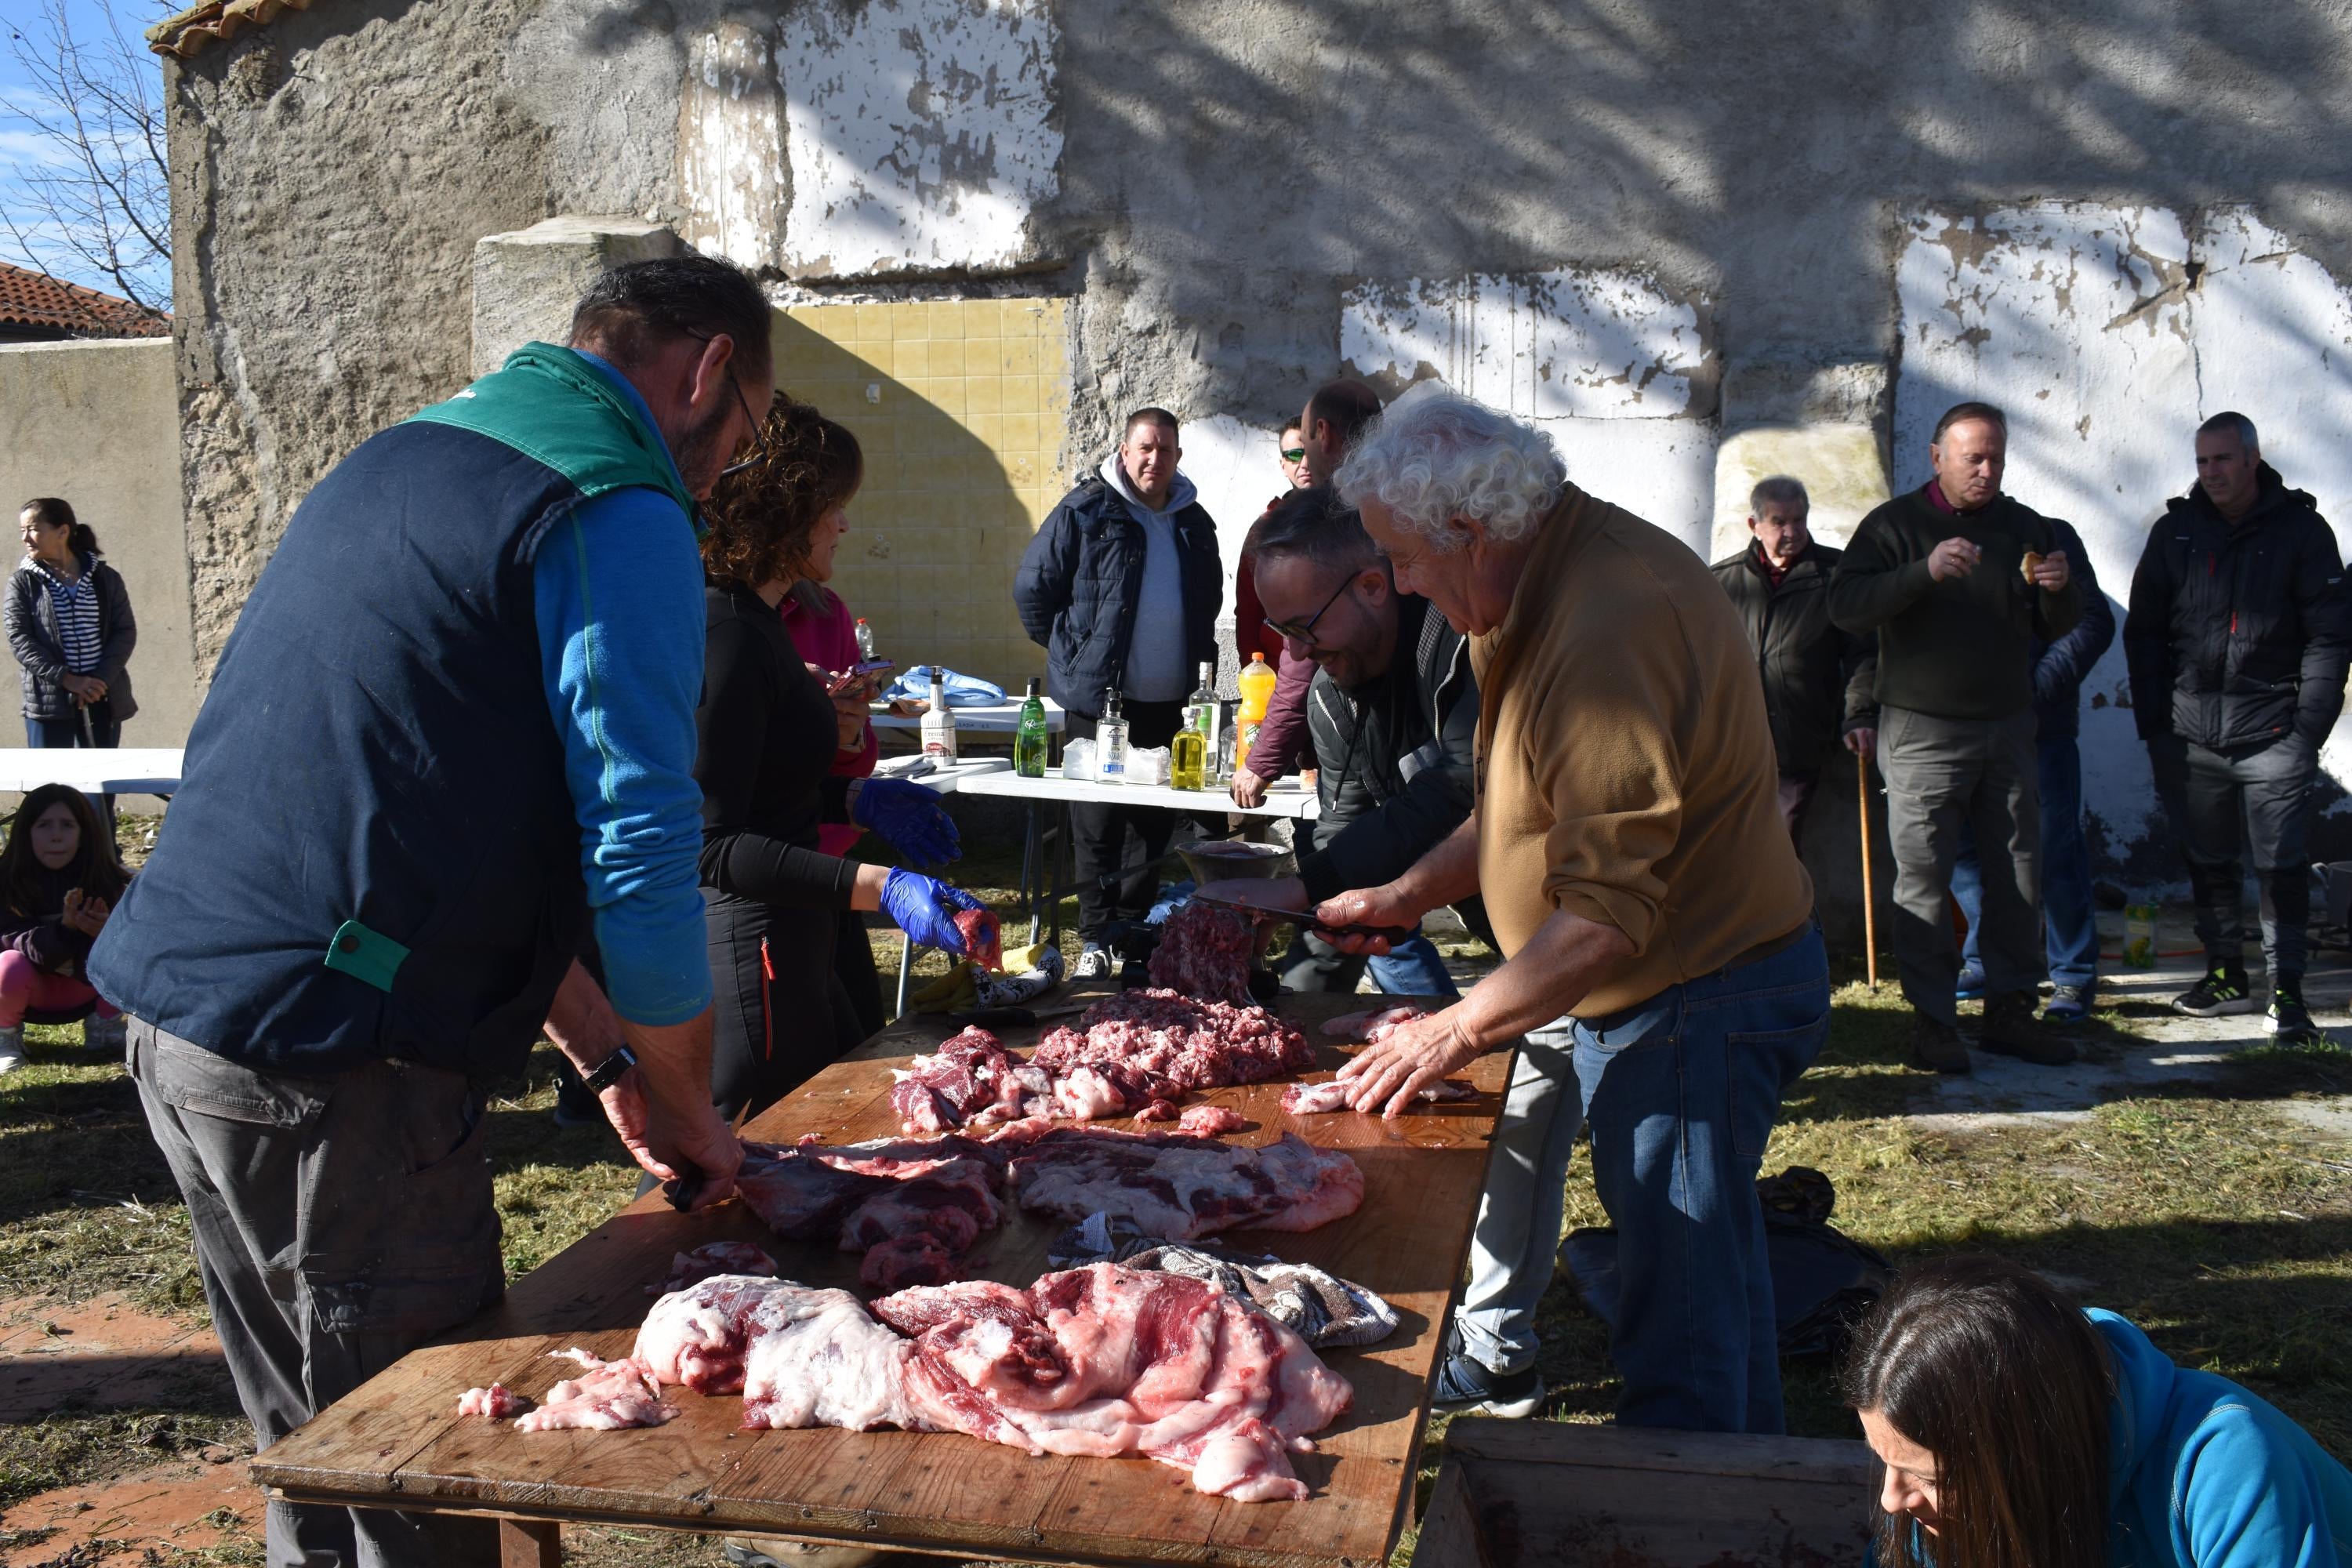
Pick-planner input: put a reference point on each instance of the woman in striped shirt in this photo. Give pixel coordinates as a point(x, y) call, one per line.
point(69, 625)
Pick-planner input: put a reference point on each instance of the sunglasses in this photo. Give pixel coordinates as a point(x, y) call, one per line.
point(1304, 631)
point(1294, 454)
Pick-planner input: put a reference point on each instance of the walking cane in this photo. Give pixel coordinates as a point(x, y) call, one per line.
point(1869, 904)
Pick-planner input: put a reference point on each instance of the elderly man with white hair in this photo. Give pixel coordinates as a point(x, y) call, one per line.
point(1662, 972)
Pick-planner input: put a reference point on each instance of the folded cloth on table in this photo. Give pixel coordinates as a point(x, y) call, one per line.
point(1322, 1309)
point(963, 691)
point(1029, 972)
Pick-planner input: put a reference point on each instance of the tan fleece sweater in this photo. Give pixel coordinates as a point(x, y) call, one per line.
point(1625, 768)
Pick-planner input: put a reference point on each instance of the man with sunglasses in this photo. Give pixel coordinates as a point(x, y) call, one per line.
point(451, 742)
point(1393, 714)
point(1249, 635)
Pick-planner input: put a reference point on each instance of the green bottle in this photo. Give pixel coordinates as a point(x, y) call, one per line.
point(1029, 739)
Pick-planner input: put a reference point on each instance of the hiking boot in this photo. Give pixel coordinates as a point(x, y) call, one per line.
point(2009, 1030)
point(1094, 963)
point(2222, 994)
point(104, 1033)
point(2067, 1004)
point(1468, 1387)
point(11, 1048)
point(1936, 1046)
point(2288, 1017)
point(1971, 985)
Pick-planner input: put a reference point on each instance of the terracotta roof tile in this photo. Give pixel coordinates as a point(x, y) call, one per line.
point(37, 301)
point(214, 21)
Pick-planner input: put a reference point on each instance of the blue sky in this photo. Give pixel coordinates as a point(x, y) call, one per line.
point(21, 148)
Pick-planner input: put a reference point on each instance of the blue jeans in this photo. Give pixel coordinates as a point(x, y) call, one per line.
point(1681, 1093)
point(92, 726)
point(2070, 927)
point(1413, 968)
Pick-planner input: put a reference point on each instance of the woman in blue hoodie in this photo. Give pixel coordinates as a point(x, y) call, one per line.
point(2020, 1432)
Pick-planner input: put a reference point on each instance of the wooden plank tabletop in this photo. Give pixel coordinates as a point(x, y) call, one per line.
point(397, 1441)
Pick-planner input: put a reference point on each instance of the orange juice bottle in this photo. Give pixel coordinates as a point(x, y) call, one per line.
point(1258, 690)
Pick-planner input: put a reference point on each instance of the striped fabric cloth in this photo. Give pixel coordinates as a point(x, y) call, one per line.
point(76, 604)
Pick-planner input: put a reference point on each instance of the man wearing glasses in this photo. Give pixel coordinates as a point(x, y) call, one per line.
point(1330, 421)
point(451, 738)
point(1393, 714)
point(1249, 635)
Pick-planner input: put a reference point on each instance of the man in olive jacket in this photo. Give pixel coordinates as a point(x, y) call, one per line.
point(1817, 677)
point(1959, 581)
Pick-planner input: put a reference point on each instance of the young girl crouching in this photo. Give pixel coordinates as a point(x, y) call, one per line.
point(58, 881)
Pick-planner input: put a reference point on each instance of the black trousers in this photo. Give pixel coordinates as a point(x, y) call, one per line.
point(2249, 803)
point(780, 1013)
point(853, 962)
point(1117, 847)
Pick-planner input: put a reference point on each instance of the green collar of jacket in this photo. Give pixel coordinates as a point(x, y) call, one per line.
point(555, 408)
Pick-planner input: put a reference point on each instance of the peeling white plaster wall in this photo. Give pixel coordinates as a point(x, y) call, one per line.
point(1612, 367)
point(730, 147)
point(2082, 323)
point(920, 133)
point(1232, 463)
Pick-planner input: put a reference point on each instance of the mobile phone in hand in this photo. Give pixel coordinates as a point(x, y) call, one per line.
point(865, 679)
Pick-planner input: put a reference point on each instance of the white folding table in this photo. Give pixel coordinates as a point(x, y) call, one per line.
point(1042, 888)
point(133, 770)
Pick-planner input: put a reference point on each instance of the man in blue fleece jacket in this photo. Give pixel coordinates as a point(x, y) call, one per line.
point(450, 741)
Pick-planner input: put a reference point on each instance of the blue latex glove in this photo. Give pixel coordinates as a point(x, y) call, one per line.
point(925, 908)
point(910, 818)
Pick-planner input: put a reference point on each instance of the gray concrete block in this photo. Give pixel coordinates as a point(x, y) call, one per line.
point(526, 282)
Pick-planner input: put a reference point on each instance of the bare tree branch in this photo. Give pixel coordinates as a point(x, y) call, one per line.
point(98, 201)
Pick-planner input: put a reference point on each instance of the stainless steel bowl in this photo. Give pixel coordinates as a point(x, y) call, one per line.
point(1222, 859)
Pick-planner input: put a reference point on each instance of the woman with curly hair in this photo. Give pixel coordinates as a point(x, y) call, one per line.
point(2021, 1431)
point(768, 734)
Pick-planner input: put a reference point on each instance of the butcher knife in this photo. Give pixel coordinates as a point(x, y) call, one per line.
point(1306, 919)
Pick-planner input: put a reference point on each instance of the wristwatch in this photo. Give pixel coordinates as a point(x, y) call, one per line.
point(608, 1072)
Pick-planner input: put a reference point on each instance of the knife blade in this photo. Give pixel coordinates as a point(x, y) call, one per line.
point(1306, 917)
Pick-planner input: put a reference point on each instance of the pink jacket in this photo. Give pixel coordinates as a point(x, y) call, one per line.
point(828, 639)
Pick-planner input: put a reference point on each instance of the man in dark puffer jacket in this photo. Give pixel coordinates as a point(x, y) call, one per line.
point(2237, 639)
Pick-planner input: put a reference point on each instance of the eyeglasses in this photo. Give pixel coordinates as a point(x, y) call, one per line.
point(1304, 631)
point(752, 447)
point(1294, 454)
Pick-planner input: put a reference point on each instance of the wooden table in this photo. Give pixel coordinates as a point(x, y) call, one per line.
point(397, 1441)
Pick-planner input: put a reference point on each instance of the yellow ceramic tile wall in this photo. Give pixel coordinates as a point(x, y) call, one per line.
point(960, 408)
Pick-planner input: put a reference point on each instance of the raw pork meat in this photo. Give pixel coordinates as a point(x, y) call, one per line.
point(1179, 1188)
point(497, 1402)
point(1157, 1110)
point(971, 1078)
point(981, 938)
point(1208, 1121)
point(713, 1257)
point(1309, 1098)
point(608, 1396)
point(1104, 1360)
point(818, 1360)
point(1206, 952)
point(699, 1336)
point(920, 1259)
point(1369, 1027)
point(1121, 1056)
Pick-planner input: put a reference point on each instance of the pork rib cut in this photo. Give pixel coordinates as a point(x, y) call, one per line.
point(1181, 1188)
point(1104, 1360)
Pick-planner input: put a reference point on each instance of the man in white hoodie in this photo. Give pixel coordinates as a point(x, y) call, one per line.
point(1121, 587)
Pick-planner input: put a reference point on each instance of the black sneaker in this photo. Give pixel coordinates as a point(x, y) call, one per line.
point(2009, 1030)
point(2288, 1018)
point(2222, 994)
point(1467, 1388)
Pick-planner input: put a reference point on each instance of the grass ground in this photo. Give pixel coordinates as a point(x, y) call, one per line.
point(2206, 1212)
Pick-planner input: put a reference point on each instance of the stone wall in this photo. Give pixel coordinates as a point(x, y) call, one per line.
point(1697, 243)
point(96, 423)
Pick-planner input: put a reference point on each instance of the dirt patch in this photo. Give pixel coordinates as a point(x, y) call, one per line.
point(190, 1505)
point(104, 1353)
